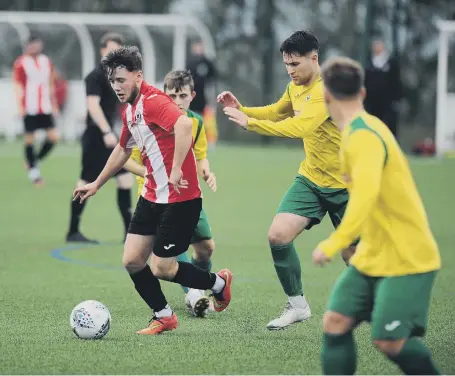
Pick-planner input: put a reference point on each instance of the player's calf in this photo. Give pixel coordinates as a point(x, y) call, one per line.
point(203, 251)
point(410, 354)
point(338, 353)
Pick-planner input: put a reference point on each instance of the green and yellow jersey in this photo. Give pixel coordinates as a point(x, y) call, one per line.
point(199, 145)
point(384, 206)
point(301, 113)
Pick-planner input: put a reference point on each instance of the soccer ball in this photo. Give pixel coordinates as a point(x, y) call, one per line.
point(90, 320)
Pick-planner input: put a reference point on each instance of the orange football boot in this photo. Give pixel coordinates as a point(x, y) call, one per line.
point(222, 300)
point(160, 325)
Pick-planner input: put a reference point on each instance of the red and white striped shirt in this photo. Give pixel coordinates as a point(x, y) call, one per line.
point(35, 74)
point(149, 123)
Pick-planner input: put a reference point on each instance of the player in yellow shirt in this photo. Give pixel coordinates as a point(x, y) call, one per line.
point(391, 275)
point(179, 86)
point(318, 188)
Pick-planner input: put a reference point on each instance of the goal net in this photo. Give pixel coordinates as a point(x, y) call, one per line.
point(71, 40)
point(445, 111)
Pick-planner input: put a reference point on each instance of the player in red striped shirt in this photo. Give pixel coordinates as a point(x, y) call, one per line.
point(168, 211)
point(34, 84)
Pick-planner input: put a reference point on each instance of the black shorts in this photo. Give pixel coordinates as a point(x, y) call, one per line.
point(35, 122)
point(94, 154)
point(172, 224)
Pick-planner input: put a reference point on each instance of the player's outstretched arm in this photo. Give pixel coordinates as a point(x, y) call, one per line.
point(117, 159)
point(277, 111)
point(367, 155)
point(300, 126)
point(135, 168)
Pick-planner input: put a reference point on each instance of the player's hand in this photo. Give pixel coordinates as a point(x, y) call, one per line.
point(110, 140)
point(236, 116)
point(177, 181)
point(210, 179)
point(22, 111)
point(84, 192)
point(227, 99)
point(319, 257)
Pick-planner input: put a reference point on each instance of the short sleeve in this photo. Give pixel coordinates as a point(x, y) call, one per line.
point(93, 84)
point(159, 109)
point(19, 72)
point(126, 139)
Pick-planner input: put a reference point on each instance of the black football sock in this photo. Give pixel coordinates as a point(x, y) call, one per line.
point(191, 276)
point(76, 211)
point(30, 155)
point(149, 288)
point(124, 205)
point(45, 149)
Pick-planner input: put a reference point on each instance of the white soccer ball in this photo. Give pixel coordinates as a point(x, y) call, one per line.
point(90, 320)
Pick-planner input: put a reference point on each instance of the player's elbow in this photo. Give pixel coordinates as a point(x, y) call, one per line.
point(183, 125)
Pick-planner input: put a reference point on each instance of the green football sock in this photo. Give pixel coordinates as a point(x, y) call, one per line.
point(287, 266)
point(183, 258)
point(204, 265)
point(339, 354)
point(415, 359)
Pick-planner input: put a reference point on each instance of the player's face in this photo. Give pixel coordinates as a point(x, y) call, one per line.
point(110, 46)
point(126, 84)
point(183, 97)
point(300, 68)
point(34, 48)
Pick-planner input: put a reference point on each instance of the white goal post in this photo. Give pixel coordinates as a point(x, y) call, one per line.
point(445, 110)
point(71, 121)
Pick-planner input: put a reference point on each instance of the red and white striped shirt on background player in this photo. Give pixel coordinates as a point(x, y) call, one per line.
point(35, 73)
point(149, 123)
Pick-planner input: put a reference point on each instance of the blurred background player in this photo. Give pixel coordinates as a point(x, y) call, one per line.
point(99, 140)
point(383, 85)
point(390, 278)
point(204, 75)
point(34, 84)
point(179, 86)
point(318, 188)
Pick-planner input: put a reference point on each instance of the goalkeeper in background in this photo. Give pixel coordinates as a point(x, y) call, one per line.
point(391, 275)
point(318, 188)
point(179, 86)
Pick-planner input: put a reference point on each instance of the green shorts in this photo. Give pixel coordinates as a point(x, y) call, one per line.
point(203, 231)
point(307, 199)
point(397, 307)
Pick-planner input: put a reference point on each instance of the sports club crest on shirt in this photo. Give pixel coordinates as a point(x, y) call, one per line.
point(308, 98)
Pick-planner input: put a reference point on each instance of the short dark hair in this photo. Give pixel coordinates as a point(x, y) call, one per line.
point(300, 43)
point(127, 57)
point(33, 38)
point(111, 37)
point(177, 79)
point(343, 77)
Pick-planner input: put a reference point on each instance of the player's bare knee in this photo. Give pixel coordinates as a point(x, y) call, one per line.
point(336, 323)
point(164, 270)
point(29, 138)
point(53, 136)
point(389, 348)
point(278, 236)
point(204, 249)
point(133, 264)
